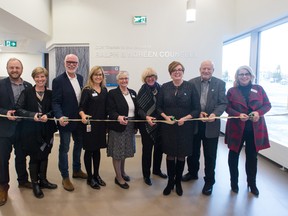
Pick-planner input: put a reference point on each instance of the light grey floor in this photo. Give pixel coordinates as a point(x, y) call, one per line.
point(141, 199)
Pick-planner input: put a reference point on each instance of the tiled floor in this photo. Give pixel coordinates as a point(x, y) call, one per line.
point(141, 199)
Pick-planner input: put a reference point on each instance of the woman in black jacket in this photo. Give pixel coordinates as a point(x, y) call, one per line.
point(37, 132)
point(122, 107)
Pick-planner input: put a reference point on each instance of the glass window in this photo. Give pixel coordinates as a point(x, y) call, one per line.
point(273, 76)
point(235, 54)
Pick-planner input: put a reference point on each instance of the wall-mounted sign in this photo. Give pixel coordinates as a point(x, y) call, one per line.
point(110, 75)
point(9, 43)
point(139, 19)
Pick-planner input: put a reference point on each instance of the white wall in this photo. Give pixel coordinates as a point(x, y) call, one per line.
point(107, 27)
point(36, 13)
point(29, 61)
point(250, 14)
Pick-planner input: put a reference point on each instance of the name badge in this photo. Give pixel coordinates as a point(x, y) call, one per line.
point(88, 128)
point(254, 90)
point(94, 94)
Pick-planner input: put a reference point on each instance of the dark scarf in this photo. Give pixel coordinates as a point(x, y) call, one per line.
point(147, 102)
point(245, 91)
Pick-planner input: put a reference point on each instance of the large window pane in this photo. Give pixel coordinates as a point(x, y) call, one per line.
point(235, 54)
point(273, 76)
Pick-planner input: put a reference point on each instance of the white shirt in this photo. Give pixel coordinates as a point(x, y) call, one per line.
point(76, 86)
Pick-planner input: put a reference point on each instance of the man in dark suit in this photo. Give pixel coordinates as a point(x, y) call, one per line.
point(211, 92)
point(10, 89)
point(66, 92)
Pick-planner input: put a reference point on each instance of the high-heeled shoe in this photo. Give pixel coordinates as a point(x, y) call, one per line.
point(179, 189)
point(168, 188)
point(253, 189)
point(235, 188)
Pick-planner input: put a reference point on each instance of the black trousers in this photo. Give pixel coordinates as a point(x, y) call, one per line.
point(251, 159)
point(6, 144)
point(210, 146)
point(147, 148)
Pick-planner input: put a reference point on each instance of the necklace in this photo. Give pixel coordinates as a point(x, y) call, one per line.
point(125, 92)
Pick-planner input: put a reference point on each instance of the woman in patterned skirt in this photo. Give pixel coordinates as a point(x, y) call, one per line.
point(121, 107)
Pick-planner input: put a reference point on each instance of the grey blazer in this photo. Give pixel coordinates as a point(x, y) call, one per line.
point(216, 103)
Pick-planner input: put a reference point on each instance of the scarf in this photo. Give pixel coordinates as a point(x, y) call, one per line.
point(147, 102)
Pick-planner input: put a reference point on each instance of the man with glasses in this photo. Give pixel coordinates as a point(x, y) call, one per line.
point(66, 97)
point(211, 92)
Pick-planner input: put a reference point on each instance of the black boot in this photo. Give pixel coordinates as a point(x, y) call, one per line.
point(179, 172)
point(44, 183)
point(253, 188)
point(34, 169)
point(171, 177)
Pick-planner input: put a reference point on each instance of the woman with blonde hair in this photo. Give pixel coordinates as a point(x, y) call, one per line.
point(150, 136)
point(93, 106)
point(37, 136)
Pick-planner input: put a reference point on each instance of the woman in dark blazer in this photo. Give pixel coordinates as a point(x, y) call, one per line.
point(177, 101)
point(121, 107)
point(37, 134)
point(249, 102)
point(93, 105)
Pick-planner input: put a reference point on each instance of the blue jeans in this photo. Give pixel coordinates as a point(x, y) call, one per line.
point(65, 137)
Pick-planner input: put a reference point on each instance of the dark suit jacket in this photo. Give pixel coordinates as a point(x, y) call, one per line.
point(64, 101)
point(216, 103)
point(117, 105)
point(7, 127)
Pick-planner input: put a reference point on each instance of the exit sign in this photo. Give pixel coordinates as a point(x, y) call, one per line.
point(9, 43)
point(139, 19)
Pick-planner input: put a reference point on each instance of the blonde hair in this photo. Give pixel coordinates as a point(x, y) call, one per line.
point(248, 69)
point(92, 72)
point(39, 70)
point(147, 73)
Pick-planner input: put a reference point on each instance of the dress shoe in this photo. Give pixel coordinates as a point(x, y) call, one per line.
point(207, 189)
point(46, 184)
point(79, 174)
point(147, 181)
point(124, 186)
point(38, 193)
point(126, 178)
point(93, 183)
point(254, 190)
point(25, 185)
point(160, 174)
point(235, 188)
point(3, 194)
point(187, 177)
point(67, 184)
point(100, 181)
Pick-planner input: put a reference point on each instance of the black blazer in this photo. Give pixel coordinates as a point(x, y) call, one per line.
point(64, 101)
point(117, 105)
point(7, 127)
point(33, 134)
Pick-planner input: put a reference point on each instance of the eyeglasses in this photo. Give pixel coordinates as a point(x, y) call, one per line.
point(244, 74)
point(71, 62)
point(177, 70)
point(124, 78)
point(98, 75)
